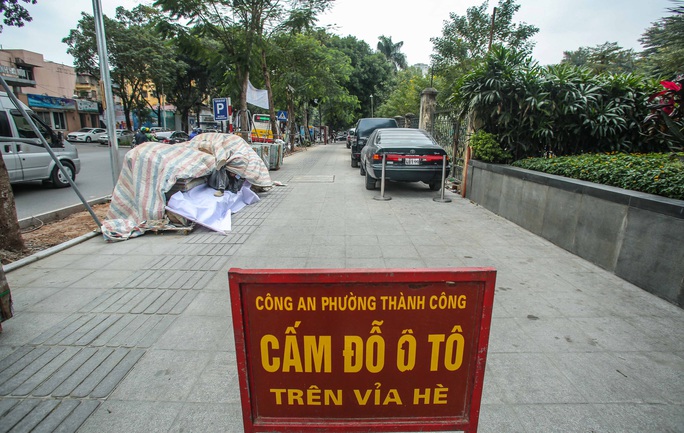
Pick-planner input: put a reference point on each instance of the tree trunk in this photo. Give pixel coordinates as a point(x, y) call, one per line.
point(244, 121)
point(5, 298)
point(291, 125)
point(10, 235)
point(271, 108)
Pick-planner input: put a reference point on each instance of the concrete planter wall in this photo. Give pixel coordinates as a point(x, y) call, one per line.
point(637, 236)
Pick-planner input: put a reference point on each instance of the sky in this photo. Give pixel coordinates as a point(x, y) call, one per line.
point(563, 24)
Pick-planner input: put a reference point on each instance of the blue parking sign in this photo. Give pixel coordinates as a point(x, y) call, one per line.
point(220, 109)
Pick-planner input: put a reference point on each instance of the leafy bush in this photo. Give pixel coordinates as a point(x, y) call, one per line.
point(486, 148)
point(654, 173)
point(561, 109)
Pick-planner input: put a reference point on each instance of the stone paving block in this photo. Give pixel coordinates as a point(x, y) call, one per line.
point(557, 335)
point(560, 418)
point(209, 418)
point(56, 415)
point(115, 416)
point(74, 419)
point(42, 374)
point(16, 413)
point(25, 371)
point(33, 418)
point(198, 333)
point(81, 373)
point(515, 375)
point(121, 322)
point(218, 382)
point(116, 374)
point(211, 304)
point(634, 417)
point(156, 332)
point(609, 378)
point(99, 374)
point(497, 419)
point(63, 372)
point(163, 375)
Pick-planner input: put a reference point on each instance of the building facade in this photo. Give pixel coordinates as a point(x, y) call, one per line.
point(52, 90)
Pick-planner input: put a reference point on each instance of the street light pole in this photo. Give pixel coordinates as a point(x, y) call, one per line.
point(372, 105)
point(107, 84)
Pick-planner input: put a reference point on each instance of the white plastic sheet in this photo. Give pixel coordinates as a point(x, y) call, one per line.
point(201, 206)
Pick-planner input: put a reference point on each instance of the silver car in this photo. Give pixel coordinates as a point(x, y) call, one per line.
point(86, 135)
point(124, 137)
point(27, 160)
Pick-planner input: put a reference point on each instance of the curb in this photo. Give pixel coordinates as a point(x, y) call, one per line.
point(48, 252)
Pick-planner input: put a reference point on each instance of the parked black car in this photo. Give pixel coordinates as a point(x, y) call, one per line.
point(412, 155)
point(172, 137)
point(364, 128)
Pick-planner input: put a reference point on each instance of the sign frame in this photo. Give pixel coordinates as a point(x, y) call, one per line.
point(220, 115)
point(241, 281)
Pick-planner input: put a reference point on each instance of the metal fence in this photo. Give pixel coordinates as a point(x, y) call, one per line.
point(451, 135)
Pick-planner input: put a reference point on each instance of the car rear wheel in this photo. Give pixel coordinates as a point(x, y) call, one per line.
point(370, 182)
point(57, 177)
point(354, 163)
point(434, 186)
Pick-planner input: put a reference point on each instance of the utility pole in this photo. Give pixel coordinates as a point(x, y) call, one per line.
point(110, 114)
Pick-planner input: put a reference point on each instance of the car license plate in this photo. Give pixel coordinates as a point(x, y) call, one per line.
point(412, 161)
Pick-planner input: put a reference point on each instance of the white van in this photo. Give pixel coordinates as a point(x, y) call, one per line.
point(30, 161)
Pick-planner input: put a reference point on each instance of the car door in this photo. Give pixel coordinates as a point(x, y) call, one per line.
point(10, 150)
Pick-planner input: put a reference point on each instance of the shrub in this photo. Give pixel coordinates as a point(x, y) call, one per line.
point(486, 148)
point(654, 173)
point(561, 109)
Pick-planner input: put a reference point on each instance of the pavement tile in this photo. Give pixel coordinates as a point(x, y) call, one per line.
point(194, 333)
point(116, 416)
point(209, 417)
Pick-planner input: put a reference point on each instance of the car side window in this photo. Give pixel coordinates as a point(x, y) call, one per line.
point(5, 130)
point(24, 129)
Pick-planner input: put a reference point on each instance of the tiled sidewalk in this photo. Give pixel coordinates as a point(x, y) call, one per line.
point(137, 336)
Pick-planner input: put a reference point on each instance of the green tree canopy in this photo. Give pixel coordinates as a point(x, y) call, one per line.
point(664, 43)
point(405, 97)
point(15, 13)
point(137, 53)
point(604, 58)
point(465, 39)
point(371, 72)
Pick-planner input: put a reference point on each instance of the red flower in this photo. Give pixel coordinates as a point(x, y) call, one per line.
point(671, 85)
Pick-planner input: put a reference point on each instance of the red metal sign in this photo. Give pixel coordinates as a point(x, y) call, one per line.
point(344, 350)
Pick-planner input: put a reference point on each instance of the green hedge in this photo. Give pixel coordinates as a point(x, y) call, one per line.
point(653, 173)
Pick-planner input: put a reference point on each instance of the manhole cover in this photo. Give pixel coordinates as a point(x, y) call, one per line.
point(314, 179)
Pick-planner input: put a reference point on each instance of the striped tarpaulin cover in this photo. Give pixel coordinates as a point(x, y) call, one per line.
point(149, 170)
point(234, 152)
